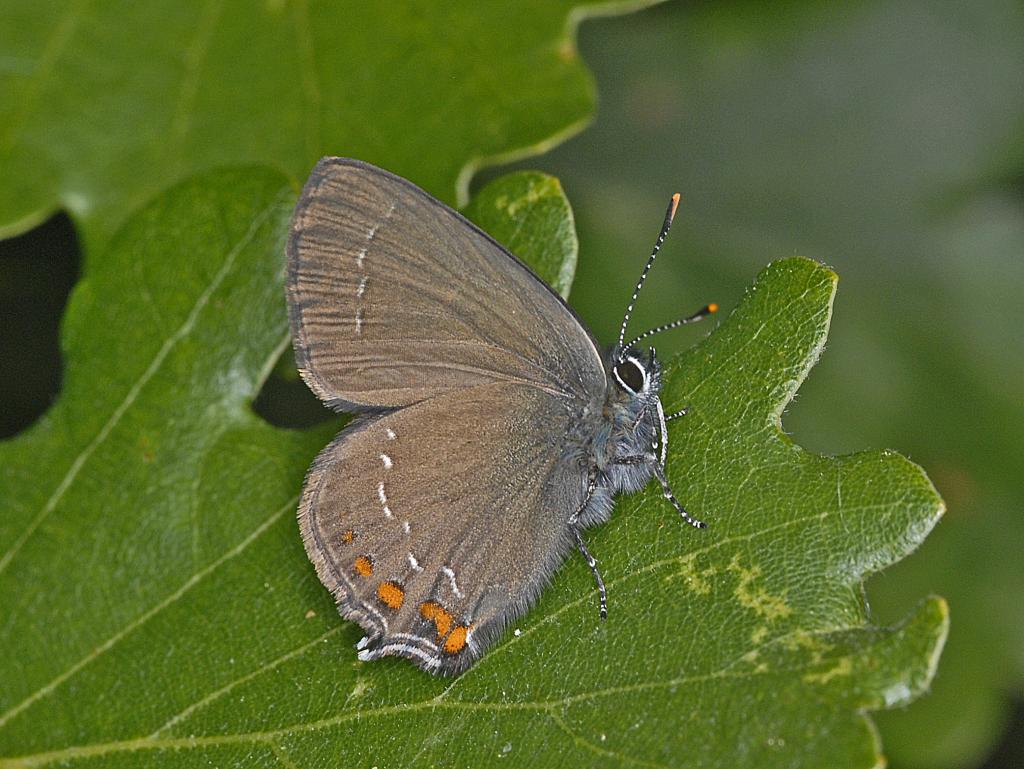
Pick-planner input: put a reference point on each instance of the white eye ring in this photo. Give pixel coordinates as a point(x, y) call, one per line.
point(640, 370)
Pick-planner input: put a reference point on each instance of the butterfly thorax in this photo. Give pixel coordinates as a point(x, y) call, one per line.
point(623, 437)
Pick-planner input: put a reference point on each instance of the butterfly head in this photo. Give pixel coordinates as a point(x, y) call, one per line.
point(637, 373)
point(634, 395)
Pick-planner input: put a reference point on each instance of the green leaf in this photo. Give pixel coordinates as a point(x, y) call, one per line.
point(885, 139)
point(102, 105)
point(159, 608)
point(529, 214)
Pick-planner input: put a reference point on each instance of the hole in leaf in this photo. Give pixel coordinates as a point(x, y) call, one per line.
point(285, 401)
point(37, 271)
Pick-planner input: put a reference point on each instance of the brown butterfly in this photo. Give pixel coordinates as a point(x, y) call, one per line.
point(492, 432)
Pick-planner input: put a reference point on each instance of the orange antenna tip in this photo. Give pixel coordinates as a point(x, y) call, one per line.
point(675, 205)
point(712, 307)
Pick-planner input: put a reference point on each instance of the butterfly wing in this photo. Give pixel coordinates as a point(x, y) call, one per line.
point(437, 524)
point(396, 298)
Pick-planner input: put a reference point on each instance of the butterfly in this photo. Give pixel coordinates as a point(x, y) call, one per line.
point(492, 429)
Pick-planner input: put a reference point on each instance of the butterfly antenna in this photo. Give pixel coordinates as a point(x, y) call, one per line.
point(669, 216)
point(703, 312)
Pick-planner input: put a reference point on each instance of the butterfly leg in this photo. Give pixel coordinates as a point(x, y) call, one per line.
point(636, 459)
point(574, 525)
point(666, 490)
point(591, 486)
point(592, 563)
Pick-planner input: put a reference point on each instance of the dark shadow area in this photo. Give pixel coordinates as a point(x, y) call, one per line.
point(1009, 753)
point(285, 401)
point(37, 271)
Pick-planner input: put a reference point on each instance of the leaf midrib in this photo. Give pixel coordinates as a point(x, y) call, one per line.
point(442, 696)
point(549, 707)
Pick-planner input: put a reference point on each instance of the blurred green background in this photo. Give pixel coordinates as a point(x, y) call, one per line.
point(885, 139)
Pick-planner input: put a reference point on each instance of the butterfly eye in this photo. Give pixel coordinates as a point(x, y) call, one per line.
point(630, 375)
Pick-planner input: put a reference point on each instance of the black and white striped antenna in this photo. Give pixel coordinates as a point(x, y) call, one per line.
point(669, 216)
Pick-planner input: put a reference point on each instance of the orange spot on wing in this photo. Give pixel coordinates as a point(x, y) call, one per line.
point(364, 566)
point(391, 594)
point(348, 536)
point(457, 640)
point(431, 610)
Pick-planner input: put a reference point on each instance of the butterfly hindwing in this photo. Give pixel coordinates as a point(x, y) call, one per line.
point(437, 524)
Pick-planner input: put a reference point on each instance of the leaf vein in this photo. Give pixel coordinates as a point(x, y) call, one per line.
point(181, 121)
point(596, 749)
point(310, 83)
point(146, 616)
point(715, 374)
point(62, 34)
point(226, 688)
point(271, 737)
point(652, 566)
point(165, 350)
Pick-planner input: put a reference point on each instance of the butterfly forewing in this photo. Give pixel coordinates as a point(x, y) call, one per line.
point(437, 524)
point(395, 298)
